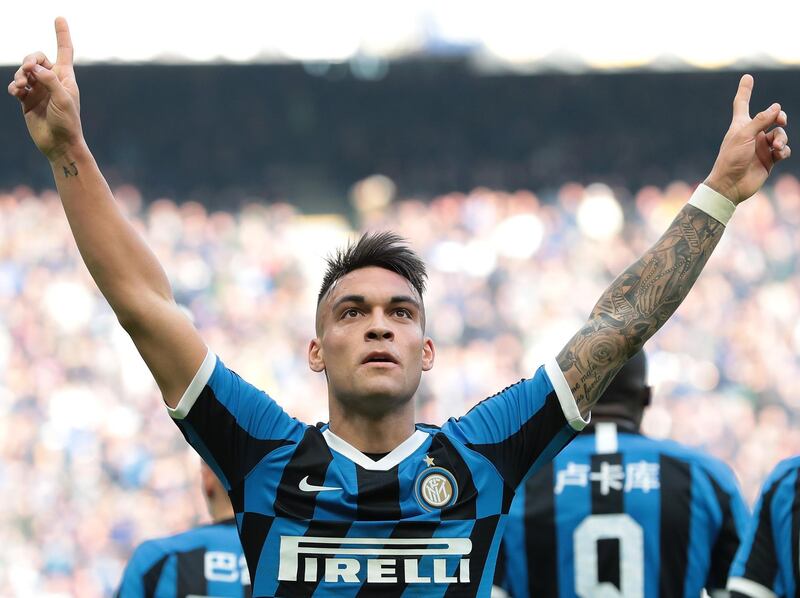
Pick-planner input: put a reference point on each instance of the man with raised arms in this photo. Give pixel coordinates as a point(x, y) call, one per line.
point(371, 501)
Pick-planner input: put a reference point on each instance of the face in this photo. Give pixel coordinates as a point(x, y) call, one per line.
point(370, 341)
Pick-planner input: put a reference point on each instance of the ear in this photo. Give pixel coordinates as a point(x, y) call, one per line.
point(207, 479)
point(315, 359)
point(428, 354)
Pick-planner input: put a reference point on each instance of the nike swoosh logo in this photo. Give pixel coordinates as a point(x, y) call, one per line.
point(306, 487)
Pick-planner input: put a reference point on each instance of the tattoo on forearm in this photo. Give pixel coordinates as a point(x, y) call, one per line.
point(638, 303)
point(70, 170)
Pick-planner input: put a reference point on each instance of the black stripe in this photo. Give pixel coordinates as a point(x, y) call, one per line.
point(482, 535)
point(235, 451)
point(191, 573)
point(404, 529)
point(515, 455)
point(796, 535)
point(236, 495)
point(607, 499)
point(311, 459)
point(445, 455)
point(676, 496)
point(378, 494)
point(761, 565)
point(305, 589)
point(255, 528)
point(151, 577)
point(541, 543)
point(726, 544)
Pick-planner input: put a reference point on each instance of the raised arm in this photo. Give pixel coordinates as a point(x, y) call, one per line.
point(643, 297)
point(120, 262)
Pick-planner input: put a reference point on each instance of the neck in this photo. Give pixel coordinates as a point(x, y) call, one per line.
point(624, 423)
point(372, 434)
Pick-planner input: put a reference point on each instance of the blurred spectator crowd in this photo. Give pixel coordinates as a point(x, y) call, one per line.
point(90, 463)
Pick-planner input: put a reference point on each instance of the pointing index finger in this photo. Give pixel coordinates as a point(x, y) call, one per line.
point(64, 56)
point(741, 103)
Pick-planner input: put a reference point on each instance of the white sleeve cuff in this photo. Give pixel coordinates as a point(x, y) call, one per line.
point(716, 205)
point(750, 588)
point(196, 386)
point(565, 398)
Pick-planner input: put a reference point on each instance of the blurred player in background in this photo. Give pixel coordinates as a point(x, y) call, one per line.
point(370, 499)
point(620, 514)
point(768, 562)
point(204, 561)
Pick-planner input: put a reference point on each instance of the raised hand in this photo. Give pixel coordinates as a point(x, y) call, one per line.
point(750, 148)
point(49, 97)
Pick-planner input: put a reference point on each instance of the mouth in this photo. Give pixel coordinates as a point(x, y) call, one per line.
point(380, 358)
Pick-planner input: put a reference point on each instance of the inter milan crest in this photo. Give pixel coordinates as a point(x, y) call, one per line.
point(435, 487)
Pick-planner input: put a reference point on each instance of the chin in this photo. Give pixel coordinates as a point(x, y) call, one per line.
point(378, 399)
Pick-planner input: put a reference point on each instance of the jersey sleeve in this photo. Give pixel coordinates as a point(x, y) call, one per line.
point(756, 570)
point(142, 573)
point(523, 426)
point(733, 525)
point(230, 423)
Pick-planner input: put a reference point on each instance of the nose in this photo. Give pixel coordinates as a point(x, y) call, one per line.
point(378, 329)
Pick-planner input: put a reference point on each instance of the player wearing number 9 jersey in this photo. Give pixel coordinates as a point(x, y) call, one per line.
point(200, 563)
point(620, 514)
point(767, 564)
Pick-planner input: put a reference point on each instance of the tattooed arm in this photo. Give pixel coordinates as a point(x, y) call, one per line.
point(637, 304)
point(643, 297)
point(123, 266)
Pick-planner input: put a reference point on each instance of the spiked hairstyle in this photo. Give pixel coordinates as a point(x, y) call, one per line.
point(383, 249)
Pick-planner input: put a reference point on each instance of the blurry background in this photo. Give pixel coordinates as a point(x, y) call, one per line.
point(528, 153)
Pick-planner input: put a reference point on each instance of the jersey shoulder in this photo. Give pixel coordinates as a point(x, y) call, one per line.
point(780, 472)
point(713, 467)
point(191, 539)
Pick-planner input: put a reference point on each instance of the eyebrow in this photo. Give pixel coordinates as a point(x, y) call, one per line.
point(360, 299)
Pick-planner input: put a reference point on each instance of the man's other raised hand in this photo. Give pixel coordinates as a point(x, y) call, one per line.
point(750, 148)
point(49, 97)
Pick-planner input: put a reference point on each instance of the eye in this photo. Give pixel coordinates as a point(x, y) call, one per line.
point(402, 311)
point(350, 312)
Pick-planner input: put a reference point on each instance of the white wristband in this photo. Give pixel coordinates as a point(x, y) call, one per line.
point(714, 204)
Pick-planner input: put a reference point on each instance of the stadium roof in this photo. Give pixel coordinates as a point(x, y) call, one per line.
point(568, 35)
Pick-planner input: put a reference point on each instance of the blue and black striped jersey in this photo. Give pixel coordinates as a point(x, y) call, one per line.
point(203, 562)
point(620, 514)
point(768, 560)
point(317, 517)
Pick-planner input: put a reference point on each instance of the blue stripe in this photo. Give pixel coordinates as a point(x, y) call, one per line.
point(781, 510)
point(573, 505)
point(266, 574)
point(491, 558)
point(485, 476)
point(705, 515)
point(260, 490)
point(407, 473)
point(514, 540)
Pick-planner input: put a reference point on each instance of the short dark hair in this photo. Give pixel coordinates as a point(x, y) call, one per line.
point(384, 249)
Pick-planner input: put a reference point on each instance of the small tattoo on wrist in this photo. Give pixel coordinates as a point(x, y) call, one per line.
point(70, 170)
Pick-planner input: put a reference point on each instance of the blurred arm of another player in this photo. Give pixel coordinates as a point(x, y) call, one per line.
point(643, 297)
point(123, 266)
